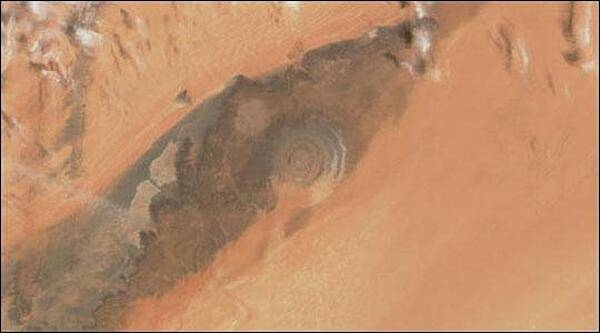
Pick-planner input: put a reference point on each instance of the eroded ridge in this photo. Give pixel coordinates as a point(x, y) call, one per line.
point(304, 127)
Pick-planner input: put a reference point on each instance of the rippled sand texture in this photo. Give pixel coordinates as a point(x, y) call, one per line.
point(299, 166)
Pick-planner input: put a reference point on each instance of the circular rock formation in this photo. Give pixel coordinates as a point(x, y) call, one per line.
point(309, 156)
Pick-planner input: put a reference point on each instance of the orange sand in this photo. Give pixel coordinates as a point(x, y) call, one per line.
point(478, 210)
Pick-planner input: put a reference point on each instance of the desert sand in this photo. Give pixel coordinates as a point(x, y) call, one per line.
point(476, 209)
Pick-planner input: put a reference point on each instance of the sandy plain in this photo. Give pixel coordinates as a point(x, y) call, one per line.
point(476, 210)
